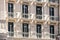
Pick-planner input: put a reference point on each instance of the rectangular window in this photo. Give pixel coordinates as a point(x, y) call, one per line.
point(10, 9)
point(25, 10)
point(51, 10)
point(52, 31)
point(11, 28)
point(39, 12)
point(51, 13)
point(25, 29)
point(38, 30)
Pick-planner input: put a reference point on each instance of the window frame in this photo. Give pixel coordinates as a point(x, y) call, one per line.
point(40, 10)
point(39, 32)
point(25, 32)
point(11, 29)
point(52, 26)
point(25, 9)
point(51, 11)
point(10, 9)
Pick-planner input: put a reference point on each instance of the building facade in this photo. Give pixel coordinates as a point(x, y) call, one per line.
point(29, 19)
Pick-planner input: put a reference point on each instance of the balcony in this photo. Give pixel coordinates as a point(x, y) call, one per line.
point(10, 0)
point(39, 35)
point(21, 35)
point(52, 36)
point(39, 18)
point(12, 17)
point(53, 3)
point(24, 35)
point(10, 34)
point(18, 34)
point(26, 0)
point(53, 20)
point(24, 17)
point(39, 2)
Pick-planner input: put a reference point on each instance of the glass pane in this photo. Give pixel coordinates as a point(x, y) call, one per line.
point(38, 30)
point(51, 31)
point(10, 7)
point(38, 10)
point(51, 11)
point(24, 8)
point(52, 0)
point(25, 30)
point(11, 28)
point(25, 27)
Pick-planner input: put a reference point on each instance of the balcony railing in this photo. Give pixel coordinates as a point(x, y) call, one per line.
point(40, 17)
point(10, 34)
point(54, 1)
point(26, 0)
point(39, 35)
point(29, 35)
point(53, 18)
point(39, 0)
point(11, 0)
point(52, 36)
point(25, 34)
point(12, 15)
point(26, 16)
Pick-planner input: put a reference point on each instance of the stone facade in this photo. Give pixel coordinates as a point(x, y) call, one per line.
point(32, 21)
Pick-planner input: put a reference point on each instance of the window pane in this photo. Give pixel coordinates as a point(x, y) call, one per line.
point(25, 29)
point(52, 29)
point(10, 7)
point(51, 11)
point(38, 10)
point(38, 30)
point(24, 8)
point(25, 16)
point(10, 28)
